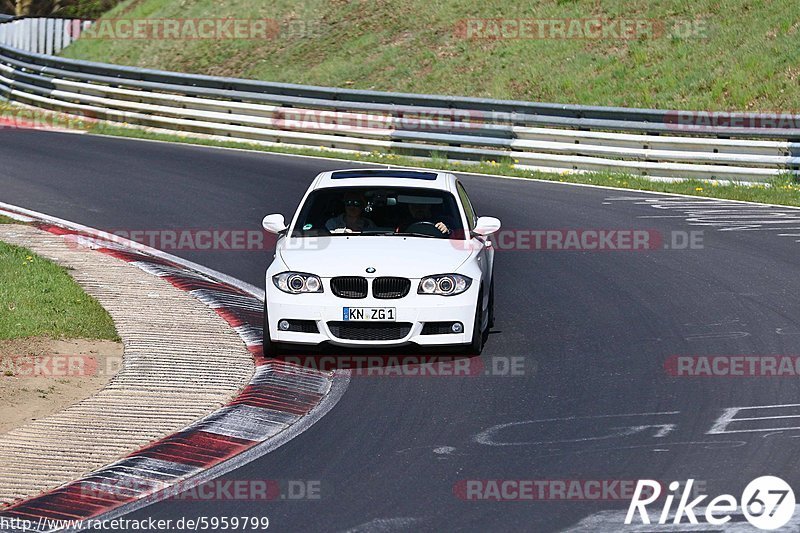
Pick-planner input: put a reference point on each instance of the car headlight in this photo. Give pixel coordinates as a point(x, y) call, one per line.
point(444, 284)
point(297, 282)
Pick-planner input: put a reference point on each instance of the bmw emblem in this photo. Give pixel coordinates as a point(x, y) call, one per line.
point(370, 270)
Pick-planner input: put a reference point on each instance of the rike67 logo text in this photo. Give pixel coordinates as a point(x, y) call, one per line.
point(767, 502)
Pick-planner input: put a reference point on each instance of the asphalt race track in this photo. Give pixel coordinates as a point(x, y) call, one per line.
point(594, 328)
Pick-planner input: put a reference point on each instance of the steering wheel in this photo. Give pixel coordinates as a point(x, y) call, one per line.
point(425, 228)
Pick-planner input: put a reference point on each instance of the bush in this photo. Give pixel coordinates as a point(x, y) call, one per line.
point(84, 9)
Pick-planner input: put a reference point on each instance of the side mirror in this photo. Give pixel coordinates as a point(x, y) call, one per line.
point(274, 224)
point(486, 226)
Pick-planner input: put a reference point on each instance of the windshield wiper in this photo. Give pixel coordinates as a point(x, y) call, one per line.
point(407, 234)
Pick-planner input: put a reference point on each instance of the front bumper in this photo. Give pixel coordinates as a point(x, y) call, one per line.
point(325, 309)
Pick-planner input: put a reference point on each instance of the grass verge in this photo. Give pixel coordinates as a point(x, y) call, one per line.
point(39, 299)
point(16, 116)
point(700, 54)
point(782, 190)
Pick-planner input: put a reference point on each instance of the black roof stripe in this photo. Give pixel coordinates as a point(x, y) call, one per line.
point(383, 173)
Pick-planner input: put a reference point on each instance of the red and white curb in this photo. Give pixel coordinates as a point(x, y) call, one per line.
point(280, 402)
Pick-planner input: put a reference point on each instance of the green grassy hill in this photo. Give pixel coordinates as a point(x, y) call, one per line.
point(743, 54)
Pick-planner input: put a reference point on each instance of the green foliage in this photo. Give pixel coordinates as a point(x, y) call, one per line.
point(85, 9)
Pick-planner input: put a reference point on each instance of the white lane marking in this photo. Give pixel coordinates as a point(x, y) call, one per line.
point(722, 215)
point(661, 216)
point(606, 450)
point(724, 322)
point(488, 437)
point(15, 216)
point(444, 450)
point(385, 525)
point(722, 425)
point(713, 336)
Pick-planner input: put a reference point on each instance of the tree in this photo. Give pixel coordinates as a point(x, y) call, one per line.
point(23, 8)
point(86, 9)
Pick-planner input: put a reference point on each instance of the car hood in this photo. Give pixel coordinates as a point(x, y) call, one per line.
point(410, 257)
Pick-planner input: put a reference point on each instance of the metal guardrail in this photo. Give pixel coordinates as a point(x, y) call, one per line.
point(560, 138)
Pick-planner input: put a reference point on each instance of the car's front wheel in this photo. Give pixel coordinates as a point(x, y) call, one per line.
point(476, 346)
point(491, 304)
point(270, 348)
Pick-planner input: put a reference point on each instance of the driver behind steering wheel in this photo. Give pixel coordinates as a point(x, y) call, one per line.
point(422, 213)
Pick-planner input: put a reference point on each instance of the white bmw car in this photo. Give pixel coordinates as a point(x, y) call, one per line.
point(378, 258)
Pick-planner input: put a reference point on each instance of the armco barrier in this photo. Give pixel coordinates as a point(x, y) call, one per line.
point(560, 138)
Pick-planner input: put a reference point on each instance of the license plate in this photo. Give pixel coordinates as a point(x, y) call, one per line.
point(369, 314)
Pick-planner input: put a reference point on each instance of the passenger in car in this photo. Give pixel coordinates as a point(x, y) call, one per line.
point(351, 220)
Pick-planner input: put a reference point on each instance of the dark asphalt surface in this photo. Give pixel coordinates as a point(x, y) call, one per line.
point(594, 328)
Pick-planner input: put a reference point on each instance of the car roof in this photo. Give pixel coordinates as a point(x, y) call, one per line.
point(381, 177)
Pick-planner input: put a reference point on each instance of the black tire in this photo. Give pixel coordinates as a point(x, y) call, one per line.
point(476, 346)
point(491, 305)
point(270, 348)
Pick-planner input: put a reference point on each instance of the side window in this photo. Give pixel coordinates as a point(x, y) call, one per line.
point(470, 212)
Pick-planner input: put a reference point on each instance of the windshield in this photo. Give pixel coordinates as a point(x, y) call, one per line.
point(389, 211)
